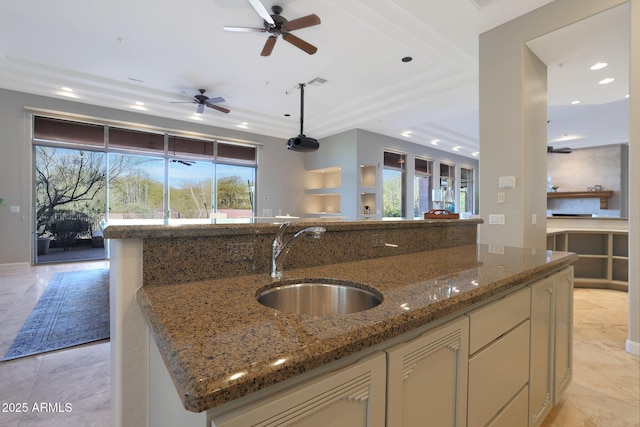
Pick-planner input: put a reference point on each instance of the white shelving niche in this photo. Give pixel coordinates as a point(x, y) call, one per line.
point(368, 207)
point(323, 192)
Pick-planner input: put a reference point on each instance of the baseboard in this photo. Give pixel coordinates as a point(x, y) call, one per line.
point(15, 265)
point(633, 347)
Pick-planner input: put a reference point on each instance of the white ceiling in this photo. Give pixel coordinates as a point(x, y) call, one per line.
point(118, 53)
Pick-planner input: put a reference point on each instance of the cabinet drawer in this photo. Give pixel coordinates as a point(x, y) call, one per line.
point(515, 413)
point(496, 374)
point(490, 322)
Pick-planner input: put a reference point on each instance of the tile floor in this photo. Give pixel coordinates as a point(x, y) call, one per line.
point(604, 391)
point(79, 376)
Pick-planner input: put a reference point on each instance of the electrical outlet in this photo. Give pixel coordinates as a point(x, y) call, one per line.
point(496, 219)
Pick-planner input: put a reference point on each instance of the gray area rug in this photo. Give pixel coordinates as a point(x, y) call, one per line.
point(73, 310)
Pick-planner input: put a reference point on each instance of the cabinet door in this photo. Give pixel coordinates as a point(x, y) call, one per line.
point(542, 344)
point(427, 378)
point(497, 373)
point(563, 369)
point(353, 396)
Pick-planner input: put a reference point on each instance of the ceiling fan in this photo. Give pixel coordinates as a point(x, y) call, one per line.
point(564, 150)
point(201, 99)
point(277, 25)
point(183, 162)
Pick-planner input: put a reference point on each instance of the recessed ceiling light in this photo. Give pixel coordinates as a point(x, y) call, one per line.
point(287, 115)
point(406, 133)
point(435, 141)
point(196, 117)
point(626, 96)
point(67, 89)
point(140, 107)
point(139, 103)
point(407, 59)
point(475, 153)
point(598, 66)
point(68, 94)
point(575, 102)
point(457, 148)
point(243, 125)
point(606, 81)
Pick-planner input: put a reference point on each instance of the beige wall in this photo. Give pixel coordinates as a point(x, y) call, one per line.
point(586, 168)
point(506, 74)
point(275, 188)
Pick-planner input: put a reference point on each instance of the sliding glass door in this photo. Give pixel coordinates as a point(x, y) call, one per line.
point(70, 195)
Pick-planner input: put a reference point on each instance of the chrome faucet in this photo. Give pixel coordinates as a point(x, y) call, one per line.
point(280, 249)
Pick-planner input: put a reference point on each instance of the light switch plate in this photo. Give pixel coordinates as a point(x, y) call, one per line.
point(497, 219)
point(501, 197)
point(507, 182)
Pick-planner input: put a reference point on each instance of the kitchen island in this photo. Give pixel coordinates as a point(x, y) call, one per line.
point(219, 350)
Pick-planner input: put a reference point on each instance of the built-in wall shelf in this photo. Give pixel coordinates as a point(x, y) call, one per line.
point(368, 208)
point(323, 192)
point(603, 256)
point(602, 195)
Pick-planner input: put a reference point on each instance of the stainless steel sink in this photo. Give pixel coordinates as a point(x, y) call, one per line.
point(319, 298)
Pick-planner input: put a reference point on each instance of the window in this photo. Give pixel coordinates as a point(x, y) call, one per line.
point(152, 176)
point(136, 188)
point(448, 186)
point(393, 185)
point(48, 129)
point(422, 187)
point(467, 190)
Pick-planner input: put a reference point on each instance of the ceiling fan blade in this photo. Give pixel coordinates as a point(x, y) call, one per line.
point(304, 22)
point(268, 46)
point(299, 43)
point(244, 29)
point(564, 150)
point(262, 11)
point(219, 108)
point(215, 100)
point(190, 96)
point(200, 109)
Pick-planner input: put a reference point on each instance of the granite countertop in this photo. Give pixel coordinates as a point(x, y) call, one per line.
point(220, 344)
point(178, 229)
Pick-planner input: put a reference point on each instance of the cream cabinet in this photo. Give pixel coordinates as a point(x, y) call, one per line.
point(563, 358)
point(353, 396)
point(499, 360)
point(603, 256)
point(427, 378)
point(542, 343)
point(500, 365)
point(551, 343)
